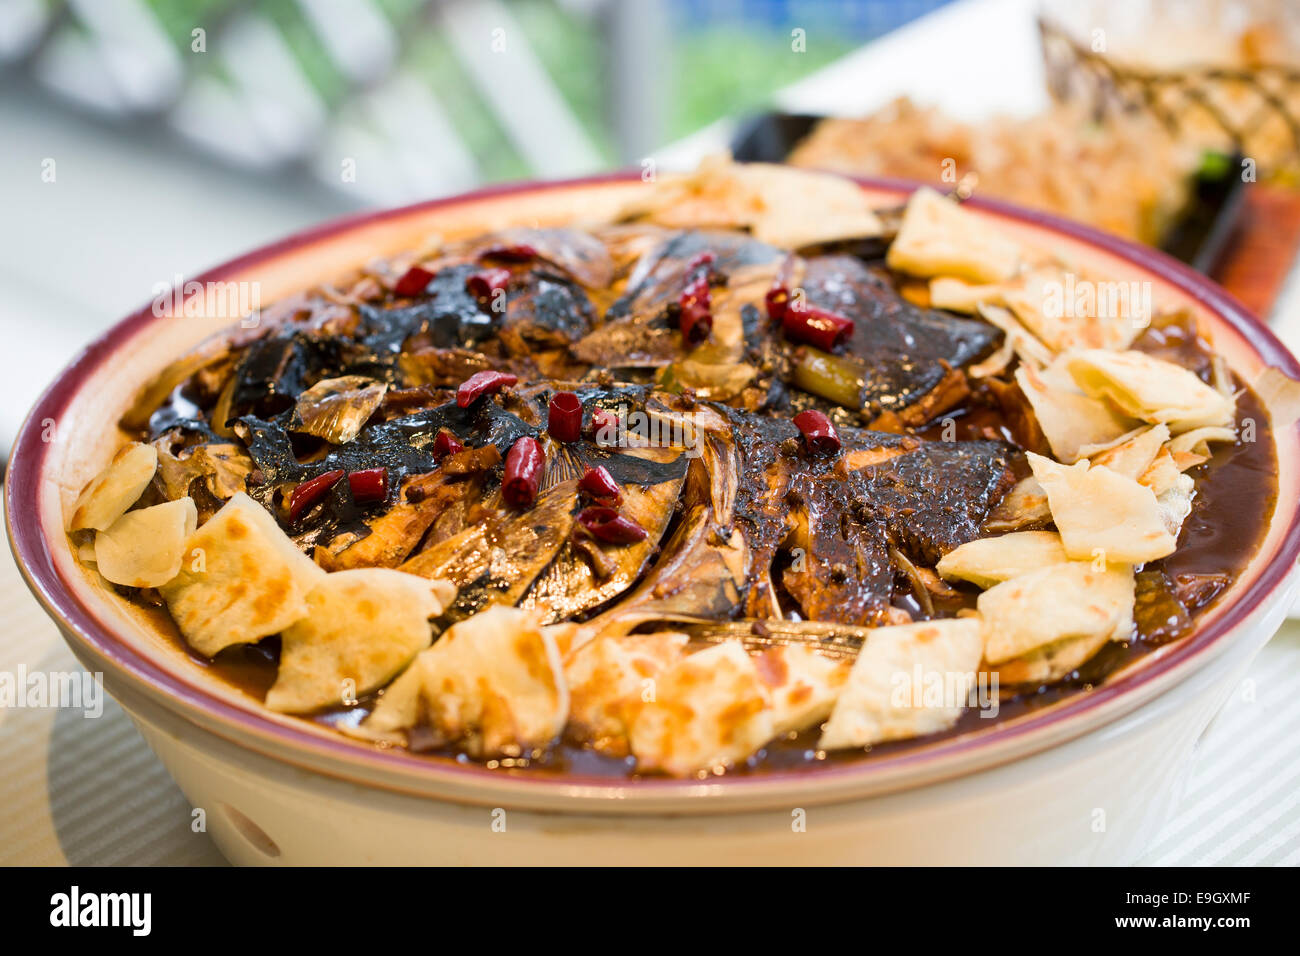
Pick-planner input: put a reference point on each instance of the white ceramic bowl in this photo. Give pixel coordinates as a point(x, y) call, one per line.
point(1082, 781)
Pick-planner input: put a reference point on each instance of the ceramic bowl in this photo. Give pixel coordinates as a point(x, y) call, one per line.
point(1083, 781)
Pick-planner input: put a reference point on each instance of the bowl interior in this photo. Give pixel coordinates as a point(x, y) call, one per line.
point(73, 432)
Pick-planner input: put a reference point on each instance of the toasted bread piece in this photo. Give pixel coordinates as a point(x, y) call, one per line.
point(493, 684)
point(909, 680)
point(988, 561)
point(939, 238)
point(1053, 604)
point(362, 627)
point(611, 679)
point(1102, 515)
point(804, 686)
point(107, 496)
point(241, 579)
point(144, 548)
point(712, 710)
point(1143, 386)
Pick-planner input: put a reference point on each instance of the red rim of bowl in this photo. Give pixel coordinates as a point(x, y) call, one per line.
point(36, 561)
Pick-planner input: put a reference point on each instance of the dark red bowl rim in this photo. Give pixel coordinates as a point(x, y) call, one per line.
point(37, 564)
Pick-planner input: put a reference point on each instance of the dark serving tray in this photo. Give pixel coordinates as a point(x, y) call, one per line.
point(1198, 238)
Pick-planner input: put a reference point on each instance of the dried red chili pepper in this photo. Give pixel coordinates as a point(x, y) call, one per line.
point(482, 285)
point(694, 305)
point(524, 466)
point(446, 444)
point(697, 321)
point(518, 252)
point(310, 492)
point(818, 432)
point(777, 300)
point(414, 281)
point(818, 327)
point(606, 524)
point(599, 483)
point(564, 417)
point(481, 383)
point(370, 484)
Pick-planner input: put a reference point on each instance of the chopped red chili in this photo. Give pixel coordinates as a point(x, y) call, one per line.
point(524, 466)
point(818, 327)
point(606, 524)
point(369, 485)
point(818, 432)
point(518, 252)
point(446, 444)
point(694, 305)
point(414, 281)
point(564, 417)
point(599, 483)
point(696, 320)
point(701, 259)
point(310, 492)
point(481, 383)
point(481, 285)
point(778, 300)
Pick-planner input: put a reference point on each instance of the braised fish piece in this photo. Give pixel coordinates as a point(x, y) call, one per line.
point(841, 569)
point(547, 310)
point(586, 573)
point(763, 502)
point(899, 358)
point(839, 519)
point(639, 330)
point(578, 253)
point(497, 559)
point(936, 496)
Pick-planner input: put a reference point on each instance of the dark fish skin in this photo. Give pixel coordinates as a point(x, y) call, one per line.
point(548, 310)
point(904, 351)
point(841, 571)
point(637, 332)
point(446, 315)
point(761, 511)
point(576, 253)
point(792, 512)
point(274, 370)
point(936, 496)
point(831, 526)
